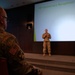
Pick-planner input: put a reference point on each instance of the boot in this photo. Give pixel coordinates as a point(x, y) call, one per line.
point(44, 54)
point(49, 54)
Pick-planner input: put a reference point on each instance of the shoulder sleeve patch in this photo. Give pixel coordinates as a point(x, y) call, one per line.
point(13, 51)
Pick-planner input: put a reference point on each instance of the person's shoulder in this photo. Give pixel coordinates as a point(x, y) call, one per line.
point(10, 35)
point(48, 33)
point(6, 37)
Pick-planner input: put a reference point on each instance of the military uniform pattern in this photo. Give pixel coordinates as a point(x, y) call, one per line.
point(9, 48)
point(46, 43)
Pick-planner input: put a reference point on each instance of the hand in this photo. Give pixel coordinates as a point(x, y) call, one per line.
point(39, 71)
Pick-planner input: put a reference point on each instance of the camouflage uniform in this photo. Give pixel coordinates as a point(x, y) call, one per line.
point(46, 43)
point(10, 49)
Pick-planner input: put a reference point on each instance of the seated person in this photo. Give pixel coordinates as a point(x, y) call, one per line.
point(10, 49)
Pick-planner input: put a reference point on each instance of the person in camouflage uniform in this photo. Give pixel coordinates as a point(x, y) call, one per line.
point(46, 43)
point(10, 49)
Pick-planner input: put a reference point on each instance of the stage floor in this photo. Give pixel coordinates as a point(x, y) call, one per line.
point(52, 57)
point(53, 65)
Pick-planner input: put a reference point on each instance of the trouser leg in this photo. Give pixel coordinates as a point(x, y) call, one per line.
point(49, 47)
point(44, 47)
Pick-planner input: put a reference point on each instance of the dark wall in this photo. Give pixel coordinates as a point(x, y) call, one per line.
point(58, 48)
point(17, 17)
point(16, 25)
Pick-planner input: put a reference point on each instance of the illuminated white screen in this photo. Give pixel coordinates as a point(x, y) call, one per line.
point(58, 17)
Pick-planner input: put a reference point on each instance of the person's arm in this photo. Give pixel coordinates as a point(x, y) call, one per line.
point(43, 36)
point(14, 53)
point(49, 36)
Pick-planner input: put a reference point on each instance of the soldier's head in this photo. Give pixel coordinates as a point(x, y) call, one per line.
point(3, 18)
point(46, 30)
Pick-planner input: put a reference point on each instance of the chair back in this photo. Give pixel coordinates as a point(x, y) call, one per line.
point(3, 67)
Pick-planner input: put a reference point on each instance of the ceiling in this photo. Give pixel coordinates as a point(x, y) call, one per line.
point(8, 4)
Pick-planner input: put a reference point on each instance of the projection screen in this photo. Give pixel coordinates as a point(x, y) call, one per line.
point(58, 16)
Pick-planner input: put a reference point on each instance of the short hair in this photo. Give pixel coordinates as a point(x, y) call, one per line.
point(1, 10)
point(46, 29)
